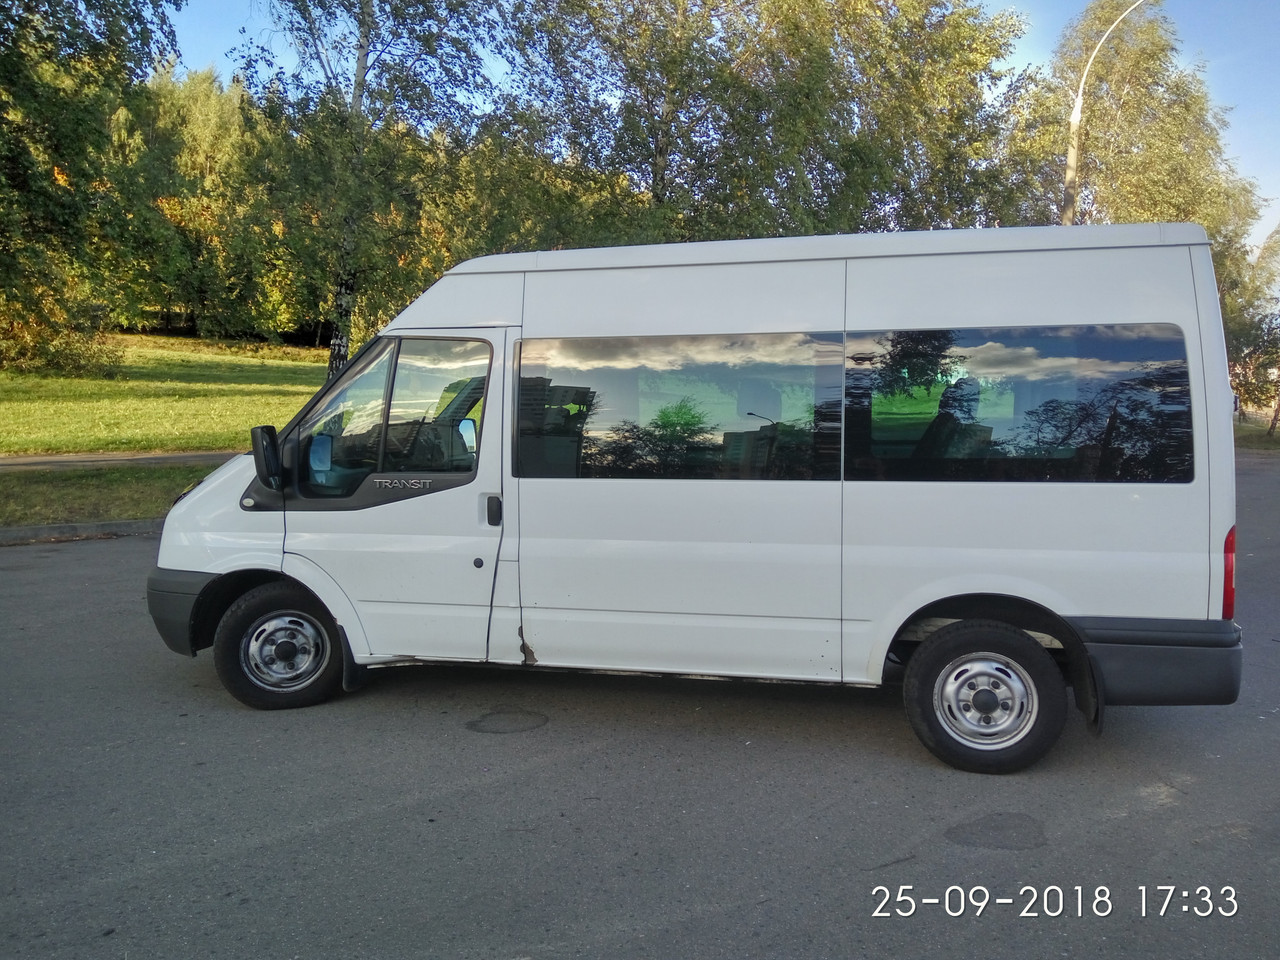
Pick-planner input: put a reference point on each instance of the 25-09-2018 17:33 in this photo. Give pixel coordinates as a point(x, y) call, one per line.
point(1055, 901)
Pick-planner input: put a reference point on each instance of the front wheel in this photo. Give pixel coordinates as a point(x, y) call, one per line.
point(278, 647)
point(983, 696)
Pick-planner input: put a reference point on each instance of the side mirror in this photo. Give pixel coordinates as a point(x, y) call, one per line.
point(266, 457)
point(320, 456)
point(468, 430)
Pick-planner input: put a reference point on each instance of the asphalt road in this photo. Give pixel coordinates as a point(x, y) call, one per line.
point(463, 813)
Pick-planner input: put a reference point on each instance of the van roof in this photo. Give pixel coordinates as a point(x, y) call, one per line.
point(845, 246)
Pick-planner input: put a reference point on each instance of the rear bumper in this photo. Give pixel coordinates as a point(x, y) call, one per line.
point(171, 599)
point(1146, 662)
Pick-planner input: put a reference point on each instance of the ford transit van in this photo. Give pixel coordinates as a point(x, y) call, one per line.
point(995, 464)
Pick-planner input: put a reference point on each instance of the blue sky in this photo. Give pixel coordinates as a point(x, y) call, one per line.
point(1238, 41)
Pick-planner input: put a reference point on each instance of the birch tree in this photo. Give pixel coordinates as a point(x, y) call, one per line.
point(757, 117)
point(370, 78)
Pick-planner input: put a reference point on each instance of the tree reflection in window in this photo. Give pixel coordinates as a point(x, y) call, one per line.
point(763, 407)
point(678, 442)
point(1082, 404)
point(1137, 429)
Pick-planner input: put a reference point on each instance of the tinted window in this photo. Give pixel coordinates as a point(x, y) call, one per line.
point(760, 407)
point(1088, 403)
point(414, 409)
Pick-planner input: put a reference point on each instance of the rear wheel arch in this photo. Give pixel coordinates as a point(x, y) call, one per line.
point(1065, 645)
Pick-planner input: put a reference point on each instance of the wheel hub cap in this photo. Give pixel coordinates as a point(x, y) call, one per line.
point(985, 701)
point(284, 651)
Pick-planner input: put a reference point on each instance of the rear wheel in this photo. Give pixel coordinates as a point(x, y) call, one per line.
point(278, 647)
point(983, 696)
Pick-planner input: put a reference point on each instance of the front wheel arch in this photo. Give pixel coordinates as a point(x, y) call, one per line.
point(217, 596)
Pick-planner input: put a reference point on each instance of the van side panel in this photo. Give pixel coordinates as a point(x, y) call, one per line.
point(463, 300)
point(1103, 549)
point(737, 577)
point(657, 301)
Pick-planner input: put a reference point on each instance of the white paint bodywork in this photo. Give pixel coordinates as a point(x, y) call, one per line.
point(208, 530)
point(798, 580)
point(690, 576)
point(1077, 549)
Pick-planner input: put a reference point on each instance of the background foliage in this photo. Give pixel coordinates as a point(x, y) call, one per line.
point(311, 203)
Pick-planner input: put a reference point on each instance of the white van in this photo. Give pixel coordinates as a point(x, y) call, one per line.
point(1000, 458)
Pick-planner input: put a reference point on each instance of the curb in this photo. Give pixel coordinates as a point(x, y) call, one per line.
point(57, 532)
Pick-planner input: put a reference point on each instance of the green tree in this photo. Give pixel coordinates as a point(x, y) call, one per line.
point(1151, 150)
point(1251, 317)
point(502, 190)
point(629, 89)
point(754, 117)
point(344, 127)
point(934, 105)
point(1151, 138)
point(65, 66)
point(173, 172)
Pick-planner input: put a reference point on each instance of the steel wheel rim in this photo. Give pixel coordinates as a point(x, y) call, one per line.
point(985, 701)
point(284, 651)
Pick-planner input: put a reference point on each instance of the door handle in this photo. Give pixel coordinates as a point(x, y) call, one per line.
point(494, 510)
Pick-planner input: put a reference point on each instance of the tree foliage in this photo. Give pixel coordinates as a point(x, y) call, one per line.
point(756, 117)
point(1251, 318)
point(1151, 150)
point(343, 127)
point(1151, 137)
point(315, 194)
point(64, 67)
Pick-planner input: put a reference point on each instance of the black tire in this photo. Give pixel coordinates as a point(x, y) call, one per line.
point(277, 647)
point(983, 696)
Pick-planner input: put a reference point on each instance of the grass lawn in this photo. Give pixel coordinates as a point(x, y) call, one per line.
point(1251, 433)
point(34, 497)
point(170, 394)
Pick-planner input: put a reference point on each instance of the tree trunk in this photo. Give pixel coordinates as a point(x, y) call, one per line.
point(338, 346)
point(1271, 430)
point(344, 294)
point(344, 301)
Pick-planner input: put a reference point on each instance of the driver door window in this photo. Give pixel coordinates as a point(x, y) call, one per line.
point(407, 407)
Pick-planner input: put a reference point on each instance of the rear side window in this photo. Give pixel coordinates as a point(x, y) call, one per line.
point(1104, 403)
point(749, 407)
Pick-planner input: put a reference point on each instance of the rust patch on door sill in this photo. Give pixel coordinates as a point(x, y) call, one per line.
point(529, 659)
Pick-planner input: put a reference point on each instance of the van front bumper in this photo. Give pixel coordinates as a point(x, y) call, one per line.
point(171, 599)
point(1147, 662)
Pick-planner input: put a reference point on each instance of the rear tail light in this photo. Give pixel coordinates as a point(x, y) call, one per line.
point(1229, 576)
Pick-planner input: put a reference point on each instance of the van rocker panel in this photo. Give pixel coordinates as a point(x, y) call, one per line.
point(1155, 662)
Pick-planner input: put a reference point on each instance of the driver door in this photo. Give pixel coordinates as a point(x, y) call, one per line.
point(396, 491)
